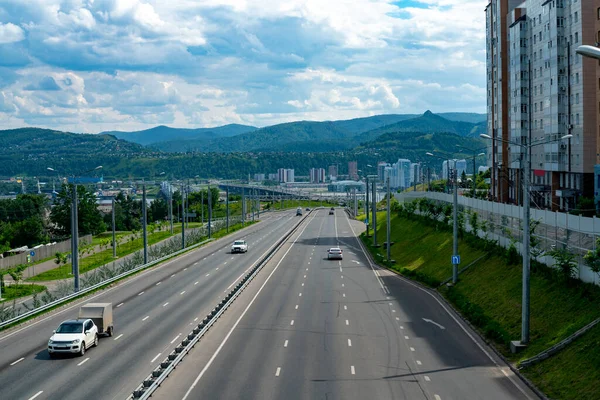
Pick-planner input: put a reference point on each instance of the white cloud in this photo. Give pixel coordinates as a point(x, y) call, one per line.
point(10, 33)
point(135, 63)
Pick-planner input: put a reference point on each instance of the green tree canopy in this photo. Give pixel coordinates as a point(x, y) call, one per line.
point(89, 218)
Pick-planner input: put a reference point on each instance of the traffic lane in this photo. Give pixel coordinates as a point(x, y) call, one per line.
point(235, 384)
point(298, 346)
point(462, 364)
point(12, 345)
point(123, 321)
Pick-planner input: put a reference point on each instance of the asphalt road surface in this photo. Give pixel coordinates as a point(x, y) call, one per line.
point(151, 313)
point(312, 328)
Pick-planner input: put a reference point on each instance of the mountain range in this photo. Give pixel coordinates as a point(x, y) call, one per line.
point(303, 136)
point(299, 145)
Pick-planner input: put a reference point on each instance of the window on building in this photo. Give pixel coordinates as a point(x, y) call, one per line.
point(598, 11)
point(576, 37)
point(576, 119)
point(576, 98)
point(576, 16)
point(577, 77)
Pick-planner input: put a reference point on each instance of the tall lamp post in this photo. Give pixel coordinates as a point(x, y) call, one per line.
point(455, 255)
point(75, 229)
point(526, 232)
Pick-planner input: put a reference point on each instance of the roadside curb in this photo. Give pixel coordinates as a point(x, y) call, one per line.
point(442, 299)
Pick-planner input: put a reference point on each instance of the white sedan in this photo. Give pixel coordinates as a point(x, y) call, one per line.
point(334, 253)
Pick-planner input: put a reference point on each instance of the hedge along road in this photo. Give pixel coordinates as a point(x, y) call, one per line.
point(151, 312)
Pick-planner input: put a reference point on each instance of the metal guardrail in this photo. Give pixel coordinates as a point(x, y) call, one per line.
point(160, 373)
point(557, 347)
point(96, 286)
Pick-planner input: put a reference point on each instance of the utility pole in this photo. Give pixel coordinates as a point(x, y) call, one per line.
point(144, 223)
point(114, 236)
point(258, 203)
point(455, 230)
point(367, 205)
point(375, 212)
point(389, 200)
point(171, 208)
point(182, 219)
point(75, 238)
point(202, 206)
point(526, 245)
point(209, 194)
point(355, 203)
point(243, 207)
point(227, 207)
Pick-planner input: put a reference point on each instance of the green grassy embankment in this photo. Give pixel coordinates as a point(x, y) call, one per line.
point(101, 258)
point(489, 295)
point(12, 292)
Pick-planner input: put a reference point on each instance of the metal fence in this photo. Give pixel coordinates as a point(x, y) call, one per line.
point(504, 223)
point(63, 291)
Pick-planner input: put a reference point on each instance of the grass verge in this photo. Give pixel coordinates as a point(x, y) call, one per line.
point(489, 296)
point(98, 259)
point(12, 292)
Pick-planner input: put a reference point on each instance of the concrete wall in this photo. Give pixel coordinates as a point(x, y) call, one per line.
point(43, 252)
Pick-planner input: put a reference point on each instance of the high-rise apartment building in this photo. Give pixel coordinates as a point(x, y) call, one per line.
point(540, 90)
point(353, 170)
point(381, 166)
point(399, 174)
point(285, 175)
point(332, 172)
point(317, 175)
point(460, 165)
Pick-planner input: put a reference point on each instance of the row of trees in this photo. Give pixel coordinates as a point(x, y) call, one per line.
point(23, 221)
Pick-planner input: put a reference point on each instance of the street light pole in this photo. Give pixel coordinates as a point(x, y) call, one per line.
point(455, 230)
point(209, 194)
point(227, 207)
point(374, 205)
point(144, 223)
point(389, 200)
point(525, 304)
point(182, 218)
point(75, 239)
point(367, 205)
point(114, 236)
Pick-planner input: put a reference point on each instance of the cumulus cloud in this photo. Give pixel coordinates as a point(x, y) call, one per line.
point(128, 64)
point(10, 33)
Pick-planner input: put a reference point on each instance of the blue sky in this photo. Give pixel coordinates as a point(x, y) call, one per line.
point(95, 65)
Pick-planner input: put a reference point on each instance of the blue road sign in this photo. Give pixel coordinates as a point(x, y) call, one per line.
point(32, 253)
point(455, 259)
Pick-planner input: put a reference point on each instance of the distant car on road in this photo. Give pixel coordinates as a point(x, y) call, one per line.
point(298, 212)
point(334, 253)
point(331, 212)
point(307, 209)
point(239, 246)
point(74, 337)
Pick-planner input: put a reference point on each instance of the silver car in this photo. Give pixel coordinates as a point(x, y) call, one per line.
point(334, 253)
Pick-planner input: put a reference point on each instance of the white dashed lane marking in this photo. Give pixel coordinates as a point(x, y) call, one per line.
point(83, 362)
point(349, 343)
point(352, 371)
point(18, 361)
point(119, 305)
point(145, 318)
point(285, 343)
point(167, 303)
point(118, 337)
point(292, 323)
point(158, 283)
point(174, 339)
point(278, 371)
point(36, 395)
point(427, 378)
point(155, 357)
point(140, 293)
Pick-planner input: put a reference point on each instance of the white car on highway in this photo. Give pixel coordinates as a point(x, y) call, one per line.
point(74, 337)
point(334, 253)
point(239, 246)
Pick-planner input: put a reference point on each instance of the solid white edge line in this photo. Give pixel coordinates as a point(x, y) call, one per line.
point(489, 356)
point(18, 361)
point(216, 353)
point(36, 395)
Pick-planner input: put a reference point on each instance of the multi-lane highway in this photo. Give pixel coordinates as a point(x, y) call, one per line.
point(312, 328)
point(151, 312)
